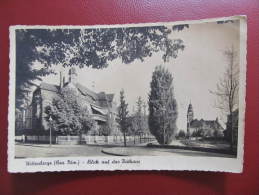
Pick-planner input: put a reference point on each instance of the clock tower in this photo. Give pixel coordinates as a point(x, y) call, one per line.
point(190, 116)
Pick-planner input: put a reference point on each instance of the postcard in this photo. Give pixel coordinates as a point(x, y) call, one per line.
point(149, 96)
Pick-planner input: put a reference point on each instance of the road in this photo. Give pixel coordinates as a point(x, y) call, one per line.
point(44, 150)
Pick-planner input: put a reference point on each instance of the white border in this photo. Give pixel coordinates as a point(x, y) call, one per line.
point(146, 162)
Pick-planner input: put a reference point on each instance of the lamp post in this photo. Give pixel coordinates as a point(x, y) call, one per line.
point(50, 124)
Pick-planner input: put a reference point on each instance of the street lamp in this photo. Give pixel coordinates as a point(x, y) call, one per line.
point(50, 123)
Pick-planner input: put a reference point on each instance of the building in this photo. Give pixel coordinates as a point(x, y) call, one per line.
point(101, 106)
point(202, 128)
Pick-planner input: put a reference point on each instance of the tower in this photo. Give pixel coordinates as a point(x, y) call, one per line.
point(72, 75)
point(190, 116)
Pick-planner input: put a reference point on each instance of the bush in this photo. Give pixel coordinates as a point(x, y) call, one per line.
point(181, 134)
point(70, 116)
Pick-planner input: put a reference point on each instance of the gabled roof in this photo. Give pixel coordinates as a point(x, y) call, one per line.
point(49, 87)
point(85, 91)
point(102, 96)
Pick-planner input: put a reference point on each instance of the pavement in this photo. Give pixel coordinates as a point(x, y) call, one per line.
point(28, 150)
point(145, 151)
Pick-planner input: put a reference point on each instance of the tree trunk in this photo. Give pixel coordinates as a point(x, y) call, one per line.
point(231, 132)
point(124, 136)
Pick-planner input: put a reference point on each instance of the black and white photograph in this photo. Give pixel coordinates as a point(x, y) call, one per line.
point(154, 96)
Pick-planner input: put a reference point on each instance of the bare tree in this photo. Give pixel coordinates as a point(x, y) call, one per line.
point(227, 89)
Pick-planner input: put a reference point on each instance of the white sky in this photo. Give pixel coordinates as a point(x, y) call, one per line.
point(196, 71)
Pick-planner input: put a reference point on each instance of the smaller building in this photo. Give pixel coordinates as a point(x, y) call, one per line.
point(202, 128)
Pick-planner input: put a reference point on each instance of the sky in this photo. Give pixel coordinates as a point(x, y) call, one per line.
point(195, 71)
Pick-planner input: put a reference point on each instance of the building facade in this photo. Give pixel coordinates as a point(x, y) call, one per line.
point(101, 106)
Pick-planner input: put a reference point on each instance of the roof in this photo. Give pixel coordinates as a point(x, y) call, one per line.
point(211, 123)
point(85, 91)
point(102, 96)
point(49, 87)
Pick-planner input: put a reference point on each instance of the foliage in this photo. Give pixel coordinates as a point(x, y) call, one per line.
point(70, 116)
point(138, 122)
point(162, 106)
point(225, 21)
point(180, 27)
point(123, 115)
point(198, 133)
point(181, 134)
point(95, 130)
point(209, 133)
point(132, 125)
point(104, 130)
point(107, 128)
point(145, 119)
point(85, 48)
point(232, 128)
point(25, 76)
point(216, 133)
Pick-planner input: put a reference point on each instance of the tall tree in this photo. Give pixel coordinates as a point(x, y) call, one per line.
point(86, 48)
point(162, 106)
point(227, 90)
point(123, 116)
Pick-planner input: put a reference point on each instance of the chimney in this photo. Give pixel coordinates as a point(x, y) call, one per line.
point(62, 79)
point(72, 75)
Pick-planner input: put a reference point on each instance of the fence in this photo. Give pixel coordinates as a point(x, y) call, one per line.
point(35, 139)
point(91, 140)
